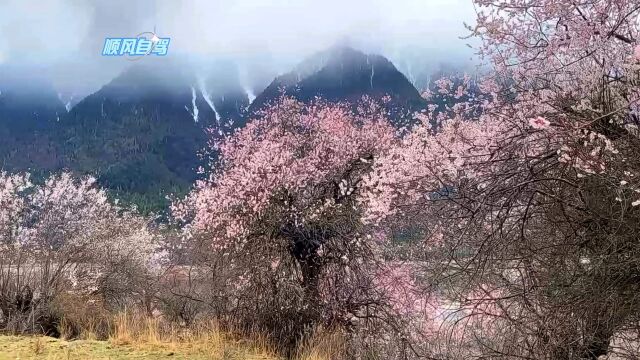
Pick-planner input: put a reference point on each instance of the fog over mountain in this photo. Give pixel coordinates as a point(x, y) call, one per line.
point(63, 39)
point(140, 127)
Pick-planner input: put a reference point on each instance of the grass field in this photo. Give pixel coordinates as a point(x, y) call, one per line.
point(137, 336)
point(39, 347)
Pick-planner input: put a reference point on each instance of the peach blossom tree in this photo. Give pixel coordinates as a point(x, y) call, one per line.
point(283, 207)
point(65, 237)
point(530, 194)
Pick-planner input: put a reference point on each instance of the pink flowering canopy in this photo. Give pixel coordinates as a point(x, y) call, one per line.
point(549, 59)
point(69, 237)
point(285, 199)
point(68, 215)
point(548, 151)
point(300, 159)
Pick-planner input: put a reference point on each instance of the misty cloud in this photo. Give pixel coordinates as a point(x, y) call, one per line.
point(65, 37)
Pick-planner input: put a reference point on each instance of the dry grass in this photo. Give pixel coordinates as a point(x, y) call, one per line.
point(322, 345)
point(41, 347)
point(201, 339)
point(141, 340)
point(134, 336)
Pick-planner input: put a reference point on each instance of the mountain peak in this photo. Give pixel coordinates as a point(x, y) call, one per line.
point(344, 74)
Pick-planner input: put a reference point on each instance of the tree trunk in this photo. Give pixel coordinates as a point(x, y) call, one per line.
point(310, 280)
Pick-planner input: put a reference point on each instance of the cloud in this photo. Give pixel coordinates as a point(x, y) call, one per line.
point(46, 30)
point(287, 27)
point(67, 35)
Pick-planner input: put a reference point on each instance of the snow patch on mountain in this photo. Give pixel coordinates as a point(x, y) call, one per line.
point(207, 98)
point(244, 82)
point(195, 111)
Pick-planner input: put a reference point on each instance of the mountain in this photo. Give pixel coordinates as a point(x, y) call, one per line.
point(346, 75)
point(142, 134)
point(139, 134)
point(226, 91)
point(29, 110)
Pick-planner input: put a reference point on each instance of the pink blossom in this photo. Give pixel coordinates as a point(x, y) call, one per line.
point(293, 149)
point(539, 123)
point(636, 53)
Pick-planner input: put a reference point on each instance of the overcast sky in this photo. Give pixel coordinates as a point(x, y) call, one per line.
point(66, 36)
